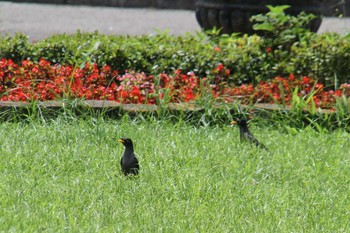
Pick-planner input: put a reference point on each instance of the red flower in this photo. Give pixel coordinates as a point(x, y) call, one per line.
point(220, 67)
point(217, 49)
point(305, 81)
point(30, 81)
point(338, 93)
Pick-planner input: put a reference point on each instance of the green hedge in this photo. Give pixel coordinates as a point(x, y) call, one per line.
point(325, 57)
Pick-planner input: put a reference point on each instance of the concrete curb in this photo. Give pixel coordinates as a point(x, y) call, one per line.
point(138, 108)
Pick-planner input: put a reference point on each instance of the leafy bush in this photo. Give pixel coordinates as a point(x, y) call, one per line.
point(250, 59)
point(16, 48)
point(325, 57)
point(281, 30)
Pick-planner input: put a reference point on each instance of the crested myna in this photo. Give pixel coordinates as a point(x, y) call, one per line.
point(129, 162)
point(245, 134)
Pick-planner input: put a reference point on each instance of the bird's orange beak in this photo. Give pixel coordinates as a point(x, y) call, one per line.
point(121, 140)
point(233, 123)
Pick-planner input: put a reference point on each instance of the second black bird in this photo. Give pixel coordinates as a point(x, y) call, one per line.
point(245, 134)
point(129, 162)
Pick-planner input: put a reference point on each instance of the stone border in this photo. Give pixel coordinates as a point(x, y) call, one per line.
point(138, 108)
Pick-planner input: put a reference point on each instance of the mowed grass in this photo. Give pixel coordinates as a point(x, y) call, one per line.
point(65, 177)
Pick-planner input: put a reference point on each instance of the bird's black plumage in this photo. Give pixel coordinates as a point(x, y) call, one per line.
point(129, 162)
point(245, 134)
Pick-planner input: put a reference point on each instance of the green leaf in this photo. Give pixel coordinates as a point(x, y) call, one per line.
point(263, 26)
point(277, 9)
point(259, 18)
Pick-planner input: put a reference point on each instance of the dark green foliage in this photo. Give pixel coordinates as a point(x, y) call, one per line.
point(286, 46)
point(324, 57)
point(16, 48)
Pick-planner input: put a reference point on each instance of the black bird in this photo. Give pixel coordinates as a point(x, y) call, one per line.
point(245, 134)
point(129, 162)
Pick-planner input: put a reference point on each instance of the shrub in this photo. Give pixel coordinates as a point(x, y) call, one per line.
point(250, 59)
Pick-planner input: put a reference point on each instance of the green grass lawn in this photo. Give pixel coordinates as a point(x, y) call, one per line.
point(65, 177)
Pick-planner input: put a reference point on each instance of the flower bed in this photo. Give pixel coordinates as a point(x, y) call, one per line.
point(43, 81)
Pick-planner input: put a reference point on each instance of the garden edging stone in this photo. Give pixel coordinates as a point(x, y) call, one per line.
point(139, 108)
